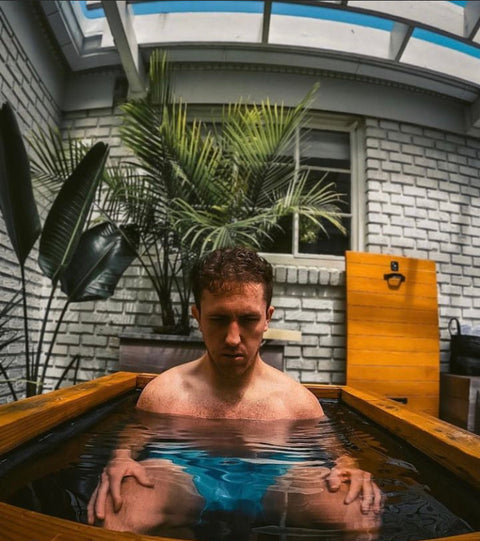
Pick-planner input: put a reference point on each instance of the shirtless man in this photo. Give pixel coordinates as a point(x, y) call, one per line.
point(232, 290)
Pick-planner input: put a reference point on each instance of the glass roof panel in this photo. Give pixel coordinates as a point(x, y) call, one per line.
point(150, 7)
point(435, 14)
point(247, 6)
point(431, 55)
point(194, 27)
point(439, 36)
point(328, 35)
point(320, 12)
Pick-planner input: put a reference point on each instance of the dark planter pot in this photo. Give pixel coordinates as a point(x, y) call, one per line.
point(155, 353)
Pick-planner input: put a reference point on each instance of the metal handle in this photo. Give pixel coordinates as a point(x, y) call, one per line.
point(396, 275)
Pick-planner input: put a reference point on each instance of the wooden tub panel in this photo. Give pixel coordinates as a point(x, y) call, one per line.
point(23, 420)
point(452, 447)
point(458, 450)
point(23, 525)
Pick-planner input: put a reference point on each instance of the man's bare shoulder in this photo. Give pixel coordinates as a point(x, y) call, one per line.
point(297, 399)
point(167, 387)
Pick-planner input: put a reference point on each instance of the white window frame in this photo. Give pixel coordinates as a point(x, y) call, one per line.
point(354, 126)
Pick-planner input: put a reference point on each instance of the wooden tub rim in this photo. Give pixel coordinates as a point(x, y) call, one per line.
point(454, 448)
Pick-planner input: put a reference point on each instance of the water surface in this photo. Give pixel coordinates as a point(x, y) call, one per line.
point(255, 479)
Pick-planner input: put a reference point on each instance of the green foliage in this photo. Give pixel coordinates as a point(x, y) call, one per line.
point(87, 263)
point(16, 197)
point(198, 188)
point(104, 253)
point(67, 216)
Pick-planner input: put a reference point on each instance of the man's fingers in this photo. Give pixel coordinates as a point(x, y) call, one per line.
point(102, 497)
point(367, 493)
point(115, 483)
point(333, 480)
point(377, 498)
point(142, 477)
point(356, 486)
point(91, 507)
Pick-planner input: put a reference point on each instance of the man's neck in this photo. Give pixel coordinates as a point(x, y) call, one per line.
point(232, 387)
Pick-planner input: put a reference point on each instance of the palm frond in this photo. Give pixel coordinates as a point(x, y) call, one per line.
point(54, 157)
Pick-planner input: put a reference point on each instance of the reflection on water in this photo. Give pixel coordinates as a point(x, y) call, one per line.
point(252, 480)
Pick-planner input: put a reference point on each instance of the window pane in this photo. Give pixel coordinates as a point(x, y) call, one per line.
point(313, 240)
point(282, 240)
point(329, 149)
point(331, 241)
point(326, 155)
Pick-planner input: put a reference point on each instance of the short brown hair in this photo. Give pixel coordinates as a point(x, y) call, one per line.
point(216, 271)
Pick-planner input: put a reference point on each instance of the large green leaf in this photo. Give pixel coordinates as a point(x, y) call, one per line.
point(16, 195)
point(103, 254)
point(66, 219)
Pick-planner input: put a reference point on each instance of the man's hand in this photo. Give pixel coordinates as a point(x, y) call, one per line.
point(361, 484)
point(122, 465)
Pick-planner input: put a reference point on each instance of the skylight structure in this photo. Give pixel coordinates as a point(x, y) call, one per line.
point(433, 45)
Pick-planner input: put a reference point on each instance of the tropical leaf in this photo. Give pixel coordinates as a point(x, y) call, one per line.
point(103, 253)
point(208, 229)
point(54, 157)
point(16, 195)
point(67, 216)
point(257, 140)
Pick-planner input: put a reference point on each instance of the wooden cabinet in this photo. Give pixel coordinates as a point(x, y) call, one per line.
point(460, 401)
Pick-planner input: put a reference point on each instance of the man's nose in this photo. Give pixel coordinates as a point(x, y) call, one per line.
point(233, 334)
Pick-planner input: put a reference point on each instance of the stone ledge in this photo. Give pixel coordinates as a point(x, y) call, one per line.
point(291, 274)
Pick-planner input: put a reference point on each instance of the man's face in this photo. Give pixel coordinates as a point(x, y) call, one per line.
point(232, 325)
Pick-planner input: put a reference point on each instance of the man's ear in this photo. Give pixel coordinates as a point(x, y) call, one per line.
point(196, 313)
point(270, 311)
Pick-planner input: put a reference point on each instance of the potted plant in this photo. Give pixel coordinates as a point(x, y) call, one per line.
point(198, 188)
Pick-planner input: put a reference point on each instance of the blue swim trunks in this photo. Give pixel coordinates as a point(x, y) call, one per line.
point(227, 484)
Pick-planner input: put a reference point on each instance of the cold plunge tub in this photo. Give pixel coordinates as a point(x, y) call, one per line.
point(24, 424)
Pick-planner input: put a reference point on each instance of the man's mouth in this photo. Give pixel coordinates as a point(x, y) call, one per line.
point(234, 355)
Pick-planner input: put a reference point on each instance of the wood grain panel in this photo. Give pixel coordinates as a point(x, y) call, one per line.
point(392, 343)
point(392, 328)
point(391, 358)
point(450, 446)
point(374, 285)
point(23, 525)
point(397, 373)
point(407, 264)
point(20, 421)
point(393, 314)
point(390, 299)
point(398, 329)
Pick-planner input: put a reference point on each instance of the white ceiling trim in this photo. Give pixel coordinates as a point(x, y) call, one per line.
point(119, 19)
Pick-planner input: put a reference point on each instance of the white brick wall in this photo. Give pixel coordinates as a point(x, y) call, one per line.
point(424, 201)
point(22, 86)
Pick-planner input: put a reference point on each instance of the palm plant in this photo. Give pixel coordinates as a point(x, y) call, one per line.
point(200, 188)
point(88, 263)
point(257, 185)
point(173, 160)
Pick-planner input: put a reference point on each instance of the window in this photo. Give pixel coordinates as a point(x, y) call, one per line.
point(334, 153)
